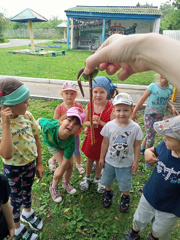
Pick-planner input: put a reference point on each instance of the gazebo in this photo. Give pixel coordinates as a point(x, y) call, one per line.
point(28, 15)
point(91, 25)
point(64, 26)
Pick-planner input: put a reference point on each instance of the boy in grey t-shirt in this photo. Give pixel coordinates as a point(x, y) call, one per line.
point(120, 150)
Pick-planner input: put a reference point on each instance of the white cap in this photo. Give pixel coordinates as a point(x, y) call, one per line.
point(123, 98)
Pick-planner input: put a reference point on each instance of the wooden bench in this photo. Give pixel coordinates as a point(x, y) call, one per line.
point(54, 54)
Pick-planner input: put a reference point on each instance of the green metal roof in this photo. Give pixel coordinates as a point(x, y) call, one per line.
point(28, 15)
point(116, 10)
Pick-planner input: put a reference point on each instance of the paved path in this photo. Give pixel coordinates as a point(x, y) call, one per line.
point(20, 42)
point(50, 89)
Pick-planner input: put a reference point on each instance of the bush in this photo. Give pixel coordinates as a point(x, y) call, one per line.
point(2, 39)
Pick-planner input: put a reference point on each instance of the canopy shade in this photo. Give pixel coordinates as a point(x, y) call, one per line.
point(28, 15)
point(63, 25)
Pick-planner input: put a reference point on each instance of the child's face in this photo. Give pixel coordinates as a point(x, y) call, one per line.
point(70, 126)
point(122, 113)
point(172, 143)
point(99, 94)
point(69, 96)
point(162, 80)
point(20, 109)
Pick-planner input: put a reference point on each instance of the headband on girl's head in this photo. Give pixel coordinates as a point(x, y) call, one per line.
point(16, 97)
point(104, 82)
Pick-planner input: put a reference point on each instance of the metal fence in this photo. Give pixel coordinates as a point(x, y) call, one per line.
point(38, 33)
point(172, 33)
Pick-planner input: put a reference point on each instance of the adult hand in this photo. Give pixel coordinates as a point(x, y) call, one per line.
point(137, 53)
point(118, 51)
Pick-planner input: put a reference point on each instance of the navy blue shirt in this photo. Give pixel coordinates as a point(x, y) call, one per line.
point(4, 196)
point(162, 190)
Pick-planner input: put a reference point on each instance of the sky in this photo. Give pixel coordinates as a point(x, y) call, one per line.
point(56, 8)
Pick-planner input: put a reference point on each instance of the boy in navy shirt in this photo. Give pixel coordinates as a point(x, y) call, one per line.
point(160, 202)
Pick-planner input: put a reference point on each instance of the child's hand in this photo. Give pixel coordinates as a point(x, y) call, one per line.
point(134, 166)
point(39, 171)
point(174, 111)
point(101, 163)
point(95, 121)
point(86, 131)
point(134, 117)
point(11, 233)
point(150, 157)
point(6, 114)
point(95, 118)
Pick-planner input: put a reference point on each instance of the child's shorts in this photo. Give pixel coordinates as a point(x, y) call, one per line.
point(162, 222)
point(53, 150)
point(123, 176)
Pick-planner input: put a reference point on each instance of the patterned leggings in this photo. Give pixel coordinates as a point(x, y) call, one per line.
point(149, 120)
point(20, 180)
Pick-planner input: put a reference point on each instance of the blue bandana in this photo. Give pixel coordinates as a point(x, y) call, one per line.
point(104, 82)
point(16, 97)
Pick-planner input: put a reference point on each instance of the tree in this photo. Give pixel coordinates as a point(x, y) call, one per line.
point(2, 26)
point(170, 19)
point(176, 3)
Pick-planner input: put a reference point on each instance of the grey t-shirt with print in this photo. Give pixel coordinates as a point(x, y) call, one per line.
point(121, 141)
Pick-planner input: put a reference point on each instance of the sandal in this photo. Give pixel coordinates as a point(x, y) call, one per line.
point(107, 199)
point(52, 165)
point(124, 206)
point(26, 235)
point(30, 235)
point(34, 225)
point(80, 168)
point(19, 236)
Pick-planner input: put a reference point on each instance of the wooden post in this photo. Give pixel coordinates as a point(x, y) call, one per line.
point(31, 36)
point(173, 98)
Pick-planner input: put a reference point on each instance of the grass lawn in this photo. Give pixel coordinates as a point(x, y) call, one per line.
point(82, 216)
point(60, 67)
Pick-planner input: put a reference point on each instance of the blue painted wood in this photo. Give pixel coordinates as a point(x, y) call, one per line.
point(68, 33)
point(103, 30)
point(54, 54)
point(112, 16)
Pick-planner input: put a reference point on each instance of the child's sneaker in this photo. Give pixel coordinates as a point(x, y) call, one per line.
point(124, 206)
point(80, 168)
point(69, 188)
point(130, 237)
point(55, 194)
point(100, 188)
point(84, 185)
point(107, 198)
point(34, 221)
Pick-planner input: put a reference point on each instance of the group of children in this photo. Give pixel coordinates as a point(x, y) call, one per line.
point(116, 153)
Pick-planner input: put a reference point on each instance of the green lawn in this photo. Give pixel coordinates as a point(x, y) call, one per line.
point(82, 216)
point(60, 67)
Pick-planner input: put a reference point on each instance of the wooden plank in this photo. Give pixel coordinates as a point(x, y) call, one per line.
point(176, 103)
